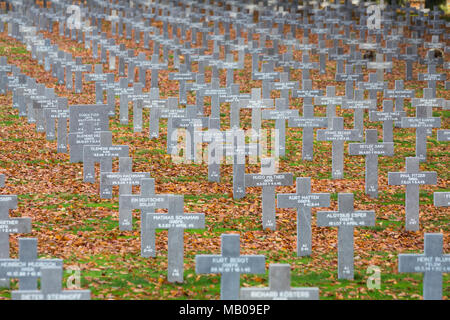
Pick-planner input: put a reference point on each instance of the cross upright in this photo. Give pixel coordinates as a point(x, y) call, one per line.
point(268, 180)
point(410, 57)
point(153, 102)
point(350, 79)
point(303, 200)
point(192, 123)
point(380, 66)
point(79, 68)
point(103, 154)
point(230, 264)
point(176, 221)
point(372, 149)
point(422, 122)
point(182, 77)
point(432, 263)
point(279, 287)
point(345, 219)
point(373, 86)
point(412, 178)
point(125, 179)
point(147, 202)
point(51, 288)
point(399, 94)
point(233, 97)
point(359, 104)
point(331, 100)
point(387, 116)
point(256, 103)
point(28, 267)
point(337, 134)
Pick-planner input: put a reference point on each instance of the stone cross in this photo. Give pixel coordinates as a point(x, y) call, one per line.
point(387, 116)
point(79, 68)
point(279, 287)
point(399, 94)
point(192, 123)
point(230, 264)
point(27, 268)
point(280, 115)
point(373, 86)
point(103, 154)
point(380, 66)
point(409, 57)
point(233, 97)
point(303, 200)
point(51, 288)
point(422, 122)
point(359, 104)
point(147, 202)
point(372, 149)
point(171, 112)
point(345, 219)
point(432, 263)
point(284, 85)
point(350, 79)
point(331, 100)
point(412, 178)
point(176, 222)
point(268, 180)
point(182, 76)
point(60, 114)
point(256, 103)
point(337, 134)
point(125, 179)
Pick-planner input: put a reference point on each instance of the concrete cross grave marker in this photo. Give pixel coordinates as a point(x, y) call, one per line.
point(27, 268)
point(308, 121)
point(125, 178)
point(331, 100)
point(268, 180)
point(337, 134)
point(279, 287)
point(412, 178)
point(51, 288)
point(176, 222)
point(303, 200)
point(102, 153)
point(372, 149)
point(233, 97)
point(230, 264)
point(422, 122)
point(280, 115)
point(399, 94)
point(345, 219)
point(182, 77)
point(147, 201)
point(432, 263)
point(79, 68)
point(387, 116)
point(192, 123)
point(256, 103)
point(359, 104)
point(380, 66)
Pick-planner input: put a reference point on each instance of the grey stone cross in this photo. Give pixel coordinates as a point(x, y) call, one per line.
point(387, 116)
point(372, 149)
point(337, 134)
point(27, 268)
point(412, 178)
point(268, 180)
point(230, 264)
point(432, 263)
point(345, 219)
point(303, 200)
point(176, 222)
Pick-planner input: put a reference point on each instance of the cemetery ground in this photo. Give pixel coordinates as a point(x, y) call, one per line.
point(72, 223)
